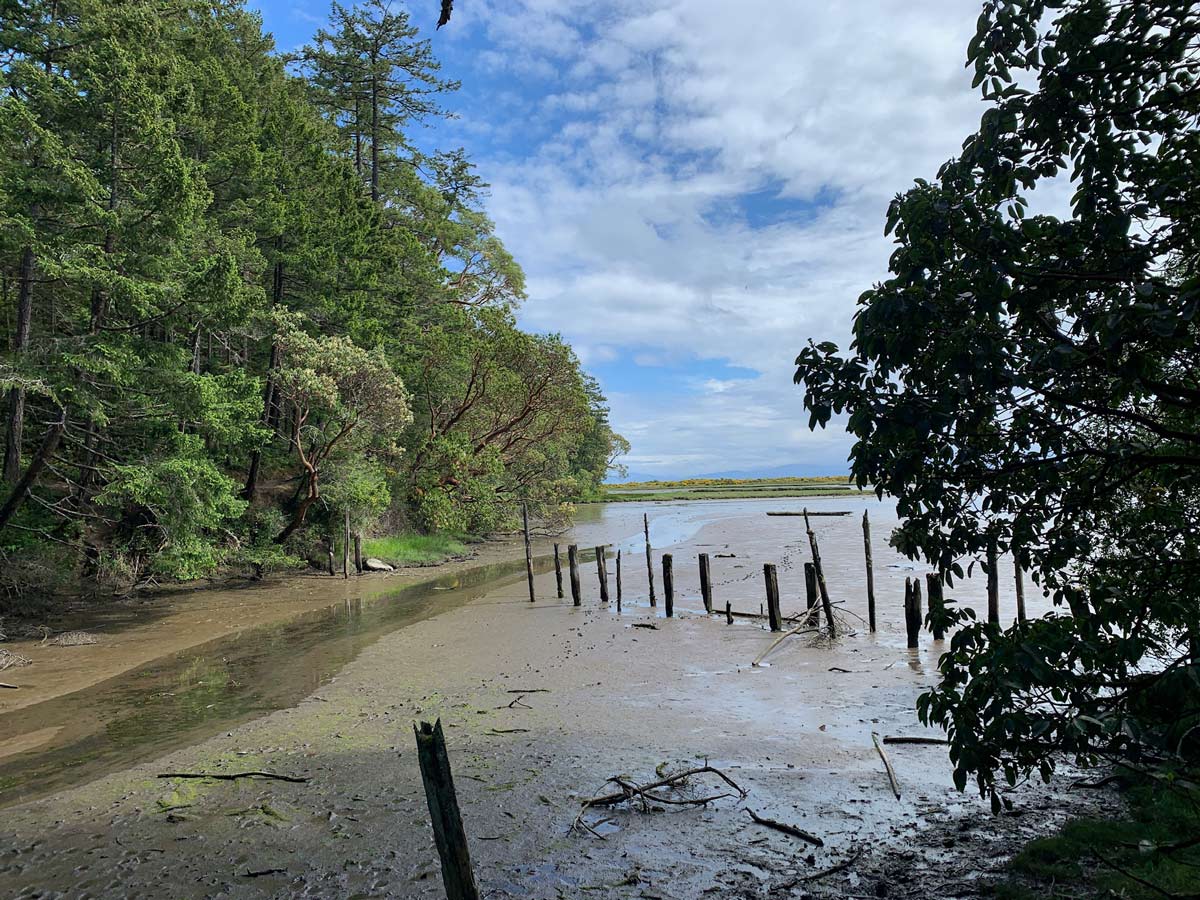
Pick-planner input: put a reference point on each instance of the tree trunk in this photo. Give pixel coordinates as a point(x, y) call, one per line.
point(22, 488)
point(16, 396)
point(374, 138)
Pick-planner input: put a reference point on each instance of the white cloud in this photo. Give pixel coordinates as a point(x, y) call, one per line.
point(671, 111)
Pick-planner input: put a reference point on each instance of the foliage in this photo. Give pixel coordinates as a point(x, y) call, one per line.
point(1138, 854)
point(1031, 379)
point(227, 265)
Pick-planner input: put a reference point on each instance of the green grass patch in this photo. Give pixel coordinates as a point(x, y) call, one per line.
point(415, 549)
point(728, 489)
point(1139, 855)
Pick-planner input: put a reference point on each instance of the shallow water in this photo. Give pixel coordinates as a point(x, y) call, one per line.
point(183, 698)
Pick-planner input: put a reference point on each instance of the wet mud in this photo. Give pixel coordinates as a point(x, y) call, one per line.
point(542, 703)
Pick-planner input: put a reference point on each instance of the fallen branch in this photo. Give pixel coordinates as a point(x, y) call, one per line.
point(11, 687)
point(261, 872)
point(295, 779)
point(1106, 780)
point(833, 870)
point(887, 765)
point(645, 625)
point(629, 791)
point(528, 691)
point(786, 829)
point(799, 629)
point(899, 739)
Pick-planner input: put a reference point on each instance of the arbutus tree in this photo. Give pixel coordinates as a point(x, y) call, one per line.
point(1035, 380)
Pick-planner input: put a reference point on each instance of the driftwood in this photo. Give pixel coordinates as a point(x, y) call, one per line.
point(645, 625)
point(630, 791)
point(836, 512)
point(10, 660)
point(261, 872)
point(887, 765)
point(833, 870)
point(898, 739)
point(272, 776)
point(786, 829)
point(11, 687)
point(799, 629)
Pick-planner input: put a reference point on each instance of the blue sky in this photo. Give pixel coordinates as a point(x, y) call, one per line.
point(694, 188)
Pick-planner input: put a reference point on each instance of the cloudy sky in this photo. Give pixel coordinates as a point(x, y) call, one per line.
point(694, 188)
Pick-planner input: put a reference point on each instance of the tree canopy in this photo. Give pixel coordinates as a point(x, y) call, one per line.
point(1029, 375)
point(239, 298)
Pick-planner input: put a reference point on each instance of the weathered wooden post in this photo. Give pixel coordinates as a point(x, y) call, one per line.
point(728, 613)
point(1020, 578)
point(573, 565)
point(528, 548)
point(331, 569)
point(810, 592)
point(358, 558)
point(772, 583)
point(558, 571)
point(937, 605)
point(912, 614)
point(993, 584)
point(618, 580)
point(705, 583)
point(870, 572)
point(826, 603)
point(448, 832)
point(668, 585)
point(649, 562)
point(346, 545)
point(602, 573)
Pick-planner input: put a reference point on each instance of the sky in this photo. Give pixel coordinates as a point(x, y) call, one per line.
point(695, 188)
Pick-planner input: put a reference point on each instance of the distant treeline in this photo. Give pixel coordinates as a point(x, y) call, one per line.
point(239, 302)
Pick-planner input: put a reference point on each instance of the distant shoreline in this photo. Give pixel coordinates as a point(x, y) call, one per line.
point(730, 489)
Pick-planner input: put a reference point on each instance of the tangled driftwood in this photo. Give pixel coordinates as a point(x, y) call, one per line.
point(73, 639)
point(10, 660)
point(644, 793)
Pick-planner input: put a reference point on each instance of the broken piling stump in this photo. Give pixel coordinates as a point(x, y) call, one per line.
point(870, 572)
point(573, 566)
point(649, 561)
point(602, 573)
point(558, 571)
point(668, 584)
point(448, 833)
point(705, 583)
point(772, 584)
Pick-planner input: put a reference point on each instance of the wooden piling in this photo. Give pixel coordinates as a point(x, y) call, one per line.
point(937, 605)
point(602, 573)
point(826, 603)
point(772, 583)
point(346, 545)
point(870, 572)
point(448, 832)
point(649, 561)
point(993, 584)
point(728, 613)
point(1020, 580)
point(810, 592)
point(358, 557)
point(705, 583)
point(528, 549)
point(332, 571)
point(618, 581)
point(912, 614)
point(573, 565)
point(668, 585)
point(558, 571)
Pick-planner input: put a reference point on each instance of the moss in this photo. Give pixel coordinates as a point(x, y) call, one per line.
point(1116, 857)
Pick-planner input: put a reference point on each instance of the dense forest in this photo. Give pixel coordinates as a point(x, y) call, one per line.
point(240, 302)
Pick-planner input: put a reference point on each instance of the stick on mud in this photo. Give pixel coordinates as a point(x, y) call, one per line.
point(558, 571)
point(826, 603)
point(887, 765)
point(649, 561)
point(602, 573)
point(528, 549)
point(448, 832)
point(870, 572)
